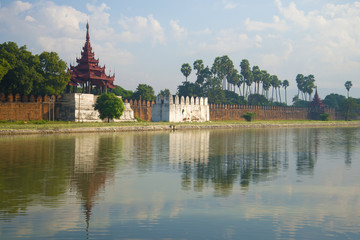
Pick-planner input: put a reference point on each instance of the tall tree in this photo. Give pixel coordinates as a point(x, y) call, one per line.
point(198, 66)
point(203, 75)
point(285, 84)
point(22, 69)
point(309, 85)
point(275, 84)
point(300, 83)
point(234, 78)
point(266, 83)
point(257, 78)
point(349, 108)
point(54, 71)
point(348, 85)
point(144, 92)
point(186, 70)
point(246, 73)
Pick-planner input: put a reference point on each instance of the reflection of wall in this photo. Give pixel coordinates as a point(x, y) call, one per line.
point(86, 153)
point(188, 146)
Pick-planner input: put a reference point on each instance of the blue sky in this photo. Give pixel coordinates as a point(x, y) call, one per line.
point(147, 41)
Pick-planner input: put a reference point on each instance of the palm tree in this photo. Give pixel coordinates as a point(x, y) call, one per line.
point(309, 85)
point(348, 85)
point(266, 83)
point(246, 73)
point(300, 83)
point(198, 66)
point(274, 83)
point(186, 70)
point(257, 78)
point(285, 84)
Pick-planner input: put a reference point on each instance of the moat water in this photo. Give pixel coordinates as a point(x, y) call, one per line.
point(293, 183)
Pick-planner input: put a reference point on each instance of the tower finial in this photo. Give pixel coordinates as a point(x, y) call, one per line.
point(87, 31)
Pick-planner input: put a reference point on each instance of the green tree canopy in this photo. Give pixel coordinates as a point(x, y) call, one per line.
point(257, 99)
point(125, 94)
point(348, 85)
point(198, 66)
point(4, 68)
point(165, 92)
point(25, 73)
point(109, 106)
point(22, 72)
point(189, 89)
point(186, 70)
point(54, 72)
point(144, 92)
point(349, 108)
point(334, 101)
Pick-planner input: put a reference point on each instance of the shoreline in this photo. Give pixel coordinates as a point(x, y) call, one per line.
point(175, 126)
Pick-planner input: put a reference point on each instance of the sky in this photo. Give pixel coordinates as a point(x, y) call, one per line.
point(146, 42)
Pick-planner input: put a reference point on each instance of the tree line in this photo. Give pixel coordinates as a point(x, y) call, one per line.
point(25, 73)
point(220, 82)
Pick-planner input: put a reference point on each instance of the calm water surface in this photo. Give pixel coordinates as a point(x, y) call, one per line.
point(210, 184)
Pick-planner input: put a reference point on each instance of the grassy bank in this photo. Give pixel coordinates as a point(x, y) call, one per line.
point(43, 127)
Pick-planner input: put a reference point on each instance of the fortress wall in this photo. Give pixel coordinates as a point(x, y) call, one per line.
point(26, 108)
point(234, 112)
point(79, 107)
point(180, 109)
point(142, 109)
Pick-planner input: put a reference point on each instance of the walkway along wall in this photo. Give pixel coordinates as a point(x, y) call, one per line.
point(26, 108)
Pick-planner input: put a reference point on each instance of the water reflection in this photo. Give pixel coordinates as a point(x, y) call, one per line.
point(135, 184)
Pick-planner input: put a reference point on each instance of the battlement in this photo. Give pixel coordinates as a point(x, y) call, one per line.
point(13, 98)
point(175, 99)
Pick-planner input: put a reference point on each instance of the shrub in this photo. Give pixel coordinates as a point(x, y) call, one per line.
point(109, 106)
point(325, 117)
point(249, 116)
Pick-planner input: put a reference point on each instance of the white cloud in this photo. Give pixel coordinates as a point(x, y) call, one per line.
point(179, 32)
point(20, 6)
point(323, 42)
point(138, 29)
point(99, 16)
point(277, 25)
point(229, 5)
point(227, 41)
point(30, 19)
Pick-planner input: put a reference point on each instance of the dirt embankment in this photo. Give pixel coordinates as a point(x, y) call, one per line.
point(174, 126)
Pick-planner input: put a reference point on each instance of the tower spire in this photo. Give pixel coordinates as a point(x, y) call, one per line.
point(87, 31)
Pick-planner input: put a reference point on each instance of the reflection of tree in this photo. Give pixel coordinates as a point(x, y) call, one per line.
point(307, 143)
point(350, 140)
point(34, 168)
point(246, 156)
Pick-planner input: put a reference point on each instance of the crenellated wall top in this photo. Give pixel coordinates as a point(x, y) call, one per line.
point(13, 98)
point(181, 100)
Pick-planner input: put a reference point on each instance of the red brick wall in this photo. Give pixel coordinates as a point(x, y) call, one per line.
point(142, 109)
point(235, 112)
point(25, 108)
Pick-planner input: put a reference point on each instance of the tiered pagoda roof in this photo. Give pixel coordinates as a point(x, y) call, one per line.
point(87, 72)
point(316, 102)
